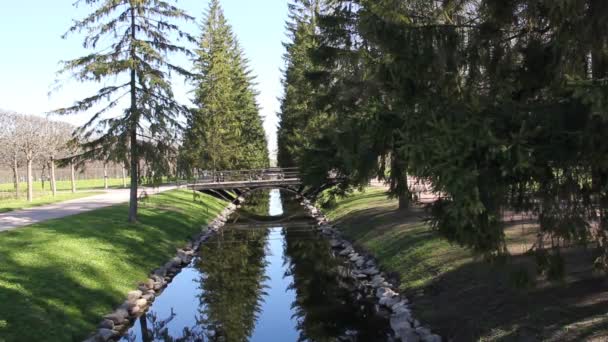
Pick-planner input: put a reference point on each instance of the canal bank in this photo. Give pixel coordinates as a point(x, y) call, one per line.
point(263, 281)
point(59, 277)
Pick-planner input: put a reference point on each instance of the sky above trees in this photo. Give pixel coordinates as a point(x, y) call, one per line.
point(33, 47)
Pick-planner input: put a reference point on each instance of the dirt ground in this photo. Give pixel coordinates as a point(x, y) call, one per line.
point(467, 299)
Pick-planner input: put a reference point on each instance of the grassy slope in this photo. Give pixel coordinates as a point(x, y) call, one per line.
point(81, 184)
point(464, 298)
point(400, 241)
point(59, 277)
point(14, 204)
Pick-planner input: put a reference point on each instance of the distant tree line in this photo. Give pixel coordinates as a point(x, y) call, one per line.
point(497, 104)
point(135, 117)
point(30, 141)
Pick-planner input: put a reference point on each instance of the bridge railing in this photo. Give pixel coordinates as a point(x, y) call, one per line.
point(248, 175)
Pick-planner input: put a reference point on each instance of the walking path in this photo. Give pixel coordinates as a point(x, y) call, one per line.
point(25, 217)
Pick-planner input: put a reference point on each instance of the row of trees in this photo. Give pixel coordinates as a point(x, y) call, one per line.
point(28, 140)
point(142, 38)
point(498, 104)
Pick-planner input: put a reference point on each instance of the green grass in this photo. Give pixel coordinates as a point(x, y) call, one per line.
point(58, 278)
point(81, 184)
point(464, 298)
point(15, 204)
point(400, 240)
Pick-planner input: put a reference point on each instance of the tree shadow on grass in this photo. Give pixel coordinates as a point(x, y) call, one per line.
point(58, 278)
point(47, 304)
point(479, 299)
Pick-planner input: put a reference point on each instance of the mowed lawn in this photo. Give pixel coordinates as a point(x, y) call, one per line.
point(467, 299)
point(58, 278)
point(10, 204)
point(81, 184)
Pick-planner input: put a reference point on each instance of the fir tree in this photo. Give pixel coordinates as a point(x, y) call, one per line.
point(224, 130)
point(138, 32)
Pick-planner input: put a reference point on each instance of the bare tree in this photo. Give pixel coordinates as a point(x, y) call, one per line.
point(30, 142)
point(10, 153)
point(59, 134)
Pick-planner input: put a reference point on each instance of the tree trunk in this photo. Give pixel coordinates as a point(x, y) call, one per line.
point(30, 182)
point(73, 177)
point(133, 130)
point(53, 181)
point(42, 174)
point(145, 333)
point(124, 176)
point(105, 176)
point(16, 177)
point(404, 200)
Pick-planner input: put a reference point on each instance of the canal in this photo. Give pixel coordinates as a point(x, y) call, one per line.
point(267, 276)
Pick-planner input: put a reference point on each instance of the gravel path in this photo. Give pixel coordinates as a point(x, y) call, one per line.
point(25, 217)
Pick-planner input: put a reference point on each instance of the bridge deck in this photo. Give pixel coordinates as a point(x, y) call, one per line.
point(266, 183)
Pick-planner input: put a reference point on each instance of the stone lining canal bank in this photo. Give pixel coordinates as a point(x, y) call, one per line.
point(117, 323)
point(372, 283)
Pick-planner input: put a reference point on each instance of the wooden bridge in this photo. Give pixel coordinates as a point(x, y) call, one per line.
point(242, 181)
point(248, 179)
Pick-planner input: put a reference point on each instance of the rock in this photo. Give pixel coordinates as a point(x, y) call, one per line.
point(377, 280)
point(400, 321)
point(134, 295)
point(400, 307)
point(335, 243)
point(106, 324)
point(372, 271)
point(105, 334)
point(148, 297)
point(359, 263)
point(389, 301)
point(118, 316)
point(359, 275)
point(407, 335)
point(141, 302)
point(136, 310)
point(346, 251)
point(385, 292)
point(423, 332)
point(432, 338)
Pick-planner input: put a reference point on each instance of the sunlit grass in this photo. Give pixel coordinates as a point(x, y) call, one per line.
point(81, 184)
point(9, 204)
point(58, 278)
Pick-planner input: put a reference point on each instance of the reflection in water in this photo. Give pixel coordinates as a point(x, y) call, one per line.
point(259, 284)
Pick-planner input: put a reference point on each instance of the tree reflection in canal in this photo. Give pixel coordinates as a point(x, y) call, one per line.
point(324, 304)
point(232, 283)
point(260, 284)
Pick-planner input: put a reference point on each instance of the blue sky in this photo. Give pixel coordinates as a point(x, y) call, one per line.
point(30, 34)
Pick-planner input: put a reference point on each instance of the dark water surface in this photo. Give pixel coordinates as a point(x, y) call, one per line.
point(261, 281)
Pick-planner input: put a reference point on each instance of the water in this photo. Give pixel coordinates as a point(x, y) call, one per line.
point(260, 281)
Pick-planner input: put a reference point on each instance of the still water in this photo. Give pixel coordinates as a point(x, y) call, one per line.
point(260, 281)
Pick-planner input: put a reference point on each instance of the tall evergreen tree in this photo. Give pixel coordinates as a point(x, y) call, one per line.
point(498, 104)
point(224, 130)
point(296, 103)
point(137, 56)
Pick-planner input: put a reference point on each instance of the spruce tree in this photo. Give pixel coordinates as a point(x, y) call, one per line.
point(136, 64)
point(297, 101)
point(224, 129)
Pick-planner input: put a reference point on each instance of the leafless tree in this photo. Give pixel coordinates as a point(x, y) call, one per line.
point(58, 135)
point(30, 141)
point(10, 153)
